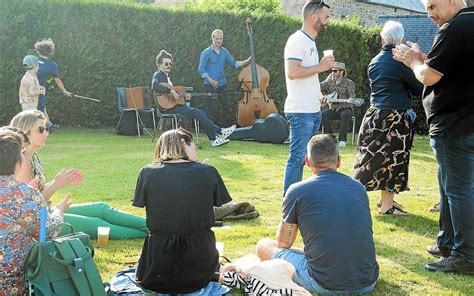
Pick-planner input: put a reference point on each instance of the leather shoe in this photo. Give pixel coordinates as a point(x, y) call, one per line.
point(453, 264)
point(438, 252)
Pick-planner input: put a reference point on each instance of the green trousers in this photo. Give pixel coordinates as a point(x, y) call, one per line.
point(87, 217)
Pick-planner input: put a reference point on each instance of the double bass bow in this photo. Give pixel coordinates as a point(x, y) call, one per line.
point(254, 80)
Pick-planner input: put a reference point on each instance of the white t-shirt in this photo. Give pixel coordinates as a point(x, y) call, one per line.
point(303, 94)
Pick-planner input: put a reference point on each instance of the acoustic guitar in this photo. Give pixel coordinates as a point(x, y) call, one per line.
point(168, 101)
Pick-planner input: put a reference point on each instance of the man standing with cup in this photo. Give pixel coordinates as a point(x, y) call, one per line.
point(302, 66)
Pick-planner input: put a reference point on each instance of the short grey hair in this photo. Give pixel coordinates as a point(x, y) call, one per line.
point(322, 150)
point(392, 33)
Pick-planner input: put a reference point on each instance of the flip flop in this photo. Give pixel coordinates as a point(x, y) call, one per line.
point(396, 204)
point(394, 211)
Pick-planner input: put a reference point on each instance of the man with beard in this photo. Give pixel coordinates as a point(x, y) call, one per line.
point(302, 105)
point(345, 89)
point(448, 100)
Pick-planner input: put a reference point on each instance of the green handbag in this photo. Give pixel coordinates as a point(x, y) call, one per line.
point(64, 266)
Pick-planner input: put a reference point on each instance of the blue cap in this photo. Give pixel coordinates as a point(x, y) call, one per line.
point(30, 61)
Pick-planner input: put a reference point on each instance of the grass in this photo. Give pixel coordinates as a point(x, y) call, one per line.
point(253, 172)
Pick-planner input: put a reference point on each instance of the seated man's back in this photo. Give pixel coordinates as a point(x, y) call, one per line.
point(333, 215)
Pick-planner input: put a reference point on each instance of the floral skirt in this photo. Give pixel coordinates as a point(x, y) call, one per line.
point(383, 152)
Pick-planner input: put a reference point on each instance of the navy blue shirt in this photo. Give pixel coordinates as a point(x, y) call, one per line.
point(333, 215)
point(47, 69)
point(212, 64)
point(392, 83)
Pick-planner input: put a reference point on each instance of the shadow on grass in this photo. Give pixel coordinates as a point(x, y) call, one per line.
point(412, 223)
point(386, 288)
point(415, 264)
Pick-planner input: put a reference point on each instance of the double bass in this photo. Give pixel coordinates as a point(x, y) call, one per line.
point(254, 80)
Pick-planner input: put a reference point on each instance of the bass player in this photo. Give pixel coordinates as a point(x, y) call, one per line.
point(162, 85)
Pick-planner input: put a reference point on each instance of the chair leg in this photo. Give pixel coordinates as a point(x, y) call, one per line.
point(353, 129)
point(196, 129)
point(120, 119)
point(138, 126)
point(154, 121)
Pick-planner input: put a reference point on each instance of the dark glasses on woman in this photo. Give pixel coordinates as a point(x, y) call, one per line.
point(43, 129)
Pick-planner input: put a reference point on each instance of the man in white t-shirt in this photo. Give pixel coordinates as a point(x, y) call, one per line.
point(302, 106)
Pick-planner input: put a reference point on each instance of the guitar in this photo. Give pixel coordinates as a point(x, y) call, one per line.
point(168, 101)
point(332, 98)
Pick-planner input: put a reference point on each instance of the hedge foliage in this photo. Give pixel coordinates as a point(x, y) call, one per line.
point(103, 45)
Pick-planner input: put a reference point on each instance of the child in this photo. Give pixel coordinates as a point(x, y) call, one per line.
point(30, 89)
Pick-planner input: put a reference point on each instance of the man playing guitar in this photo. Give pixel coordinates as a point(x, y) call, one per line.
point(162, 85)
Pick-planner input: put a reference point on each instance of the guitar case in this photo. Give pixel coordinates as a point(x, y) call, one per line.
point(128, 125)
point(273, 129)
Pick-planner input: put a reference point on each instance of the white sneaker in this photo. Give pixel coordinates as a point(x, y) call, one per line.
point(225, 132)
point(219, 141)
point(342, 144)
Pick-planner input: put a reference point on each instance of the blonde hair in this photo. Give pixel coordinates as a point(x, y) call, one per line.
point(45, 47)
point(27, 119)
point(170, 145)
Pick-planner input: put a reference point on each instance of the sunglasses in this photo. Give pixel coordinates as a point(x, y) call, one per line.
point(320, 5)
point(335, 71)
point(166, 64)
point(43, 129)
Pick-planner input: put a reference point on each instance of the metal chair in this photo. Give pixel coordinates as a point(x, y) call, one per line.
point(135, 99)
point(176, 119)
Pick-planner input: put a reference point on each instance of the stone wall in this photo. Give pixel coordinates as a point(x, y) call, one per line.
point(346, 8)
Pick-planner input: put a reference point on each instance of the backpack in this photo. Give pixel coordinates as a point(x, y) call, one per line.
point(63, 266)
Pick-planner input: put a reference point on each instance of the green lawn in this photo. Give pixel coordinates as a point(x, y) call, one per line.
point(253, 172)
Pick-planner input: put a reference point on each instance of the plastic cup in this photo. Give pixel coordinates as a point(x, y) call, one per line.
point(220, 248)
point(328, 52)
point(102, 236)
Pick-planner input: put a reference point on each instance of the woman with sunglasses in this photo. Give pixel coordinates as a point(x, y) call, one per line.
point(179, 255)
point(162, 84)
point(84, 217)
point(386, 132)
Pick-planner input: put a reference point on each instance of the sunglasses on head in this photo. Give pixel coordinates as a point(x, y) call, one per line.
point(42, 129)
point(166, 64)
point(320, 5)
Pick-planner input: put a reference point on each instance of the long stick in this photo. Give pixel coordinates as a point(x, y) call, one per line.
point(87, 98)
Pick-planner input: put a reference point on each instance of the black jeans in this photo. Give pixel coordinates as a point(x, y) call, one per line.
point(344, 115)
point(219, 108)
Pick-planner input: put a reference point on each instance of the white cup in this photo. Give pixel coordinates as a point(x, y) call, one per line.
point(328, 52)
point(220, 248)
point(102, 236)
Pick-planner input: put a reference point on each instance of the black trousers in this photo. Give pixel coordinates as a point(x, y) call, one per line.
point(219, 108)
point(344, 115)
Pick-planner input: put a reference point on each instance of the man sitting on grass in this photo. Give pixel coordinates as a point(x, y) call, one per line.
point(332, 212)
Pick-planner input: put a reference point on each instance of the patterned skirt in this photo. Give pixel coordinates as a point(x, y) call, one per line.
point(383, 152)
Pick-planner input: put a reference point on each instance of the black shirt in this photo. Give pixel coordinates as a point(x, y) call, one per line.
point(179, 255)
point(159, 77)
point(449, 104)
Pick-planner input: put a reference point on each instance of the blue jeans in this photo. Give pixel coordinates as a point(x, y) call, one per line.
point(204, 122)
point(455, 156)
point(42, 107)
point(302, 127)
point(302, 276)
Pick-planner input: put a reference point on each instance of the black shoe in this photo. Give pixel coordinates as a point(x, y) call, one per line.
point(438, 252)
point(452, 264)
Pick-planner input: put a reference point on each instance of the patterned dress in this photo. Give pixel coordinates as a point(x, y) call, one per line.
point(20, 207)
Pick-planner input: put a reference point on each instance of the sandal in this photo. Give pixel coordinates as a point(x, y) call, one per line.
point(435, 208)
point(394, 211)
point(395, 204)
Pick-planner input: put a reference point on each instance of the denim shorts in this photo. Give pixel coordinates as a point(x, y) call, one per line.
point(302, 276)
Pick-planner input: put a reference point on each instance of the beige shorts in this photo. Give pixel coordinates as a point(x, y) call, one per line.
point(29, 106)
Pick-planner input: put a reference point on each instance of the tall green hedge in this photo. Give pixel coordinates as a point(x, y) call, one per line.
point(103, 45)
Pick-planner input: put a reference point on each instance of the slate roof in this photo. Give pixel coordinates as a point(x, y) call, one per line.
point(418, 28)
point(411, 5)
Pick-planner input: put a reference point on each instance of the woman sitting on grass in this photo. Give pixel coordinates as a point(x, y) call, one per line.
point(84, 217)
point(179, 254)
point(20, 207)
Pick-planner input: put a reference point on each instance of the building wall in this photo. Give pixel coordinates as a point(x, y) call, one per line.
point(345, 8)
